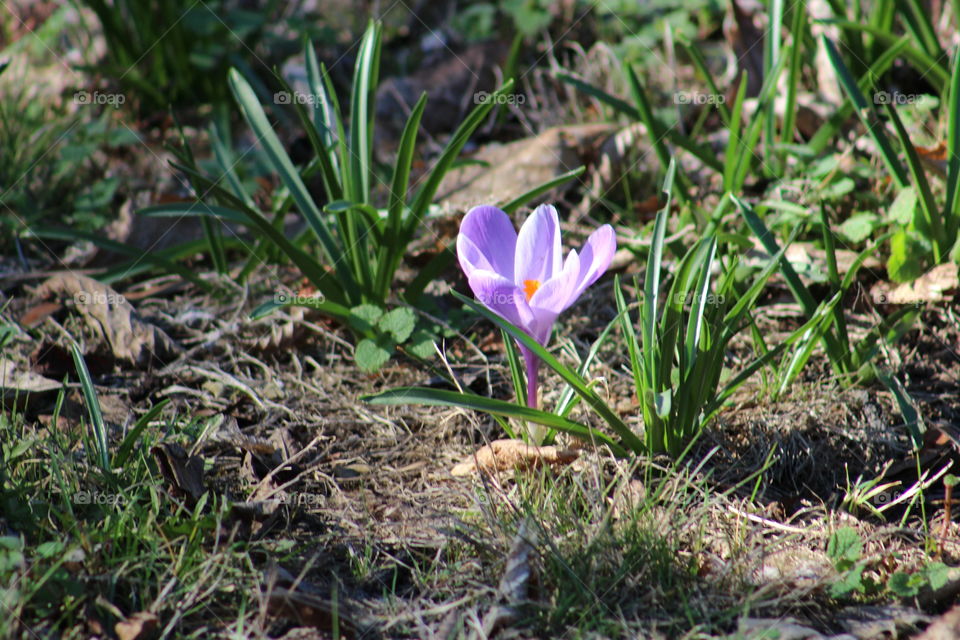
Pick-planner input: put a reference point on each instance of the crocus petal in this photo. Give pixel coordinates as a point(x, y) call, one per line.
point(552, 298)
point(502, 297)
point(555, 294)
point(487, 241)
point(541, 326)
point(539, 256)
point(595, 258)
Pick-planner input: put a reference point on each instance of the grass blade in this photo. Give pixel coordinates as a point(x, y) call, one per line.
point(796, 286)
point(93, 407)
point(361, 109)
point(630, 337)
point(927, 205)
point(866, 114)
point(731, 157)
point(515, 364)
point(325, 111)
point(392, 249)
point(656, 132)
point(828, 130)
point(701, 65)
point(318, 276)
point(130, 440)
point(618, 105)
point(316, 137)
point(156, 260)
point(257, 120)
point(459, 138)
point(951, 211)
point(540, 189)
point(788, 129)
point(446, 398)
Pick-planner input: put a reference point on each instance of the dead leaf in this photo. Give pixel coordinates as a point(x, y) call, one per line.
point(946, 627)
point(184, 472)
point(113, 319)
point(501, 455)
point(257, 510)
point(516, 574)
point(38, 313)
point(794, 566)
point(513, 584)
point(930, 287)
point(935, 158)
point(510, 170)
point(137, 627)
point(228, 433)
point(16, 383)
point(880, 621)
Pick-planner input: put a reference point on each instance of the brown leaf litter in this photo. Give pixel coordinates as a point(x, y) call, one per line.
point(501, 455)
point(112, 319)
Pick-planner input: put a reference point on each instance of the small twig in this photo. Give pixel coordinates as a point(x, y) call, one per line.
point(917, 487)
point(326, 333)
point(773, 524)
point(228, 380)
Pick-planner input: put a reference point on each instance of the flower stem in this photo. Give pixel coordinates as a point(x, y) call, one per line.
point(533, 374)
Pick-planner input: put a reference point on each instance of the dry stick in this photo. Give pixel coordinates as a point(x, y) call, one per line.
point(313, 326)
point(920, 485)
point(773, 524)
point(219, 375)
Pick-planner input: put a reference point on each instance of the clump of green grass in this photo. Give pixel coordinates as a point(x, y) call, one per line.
point(80, 542)
point(165, 53)
point(613, 554)
point(46, 169)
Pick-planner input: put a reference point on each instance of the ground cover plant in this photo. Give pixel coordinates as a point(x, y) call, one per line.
point(479, 319)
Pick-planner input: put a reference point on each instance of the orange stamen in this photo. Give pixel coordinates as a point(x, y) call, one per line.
point(530, 287)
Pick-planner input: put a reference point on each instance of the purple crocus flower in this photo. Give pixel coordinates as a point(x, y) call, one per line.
point(524, 278)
